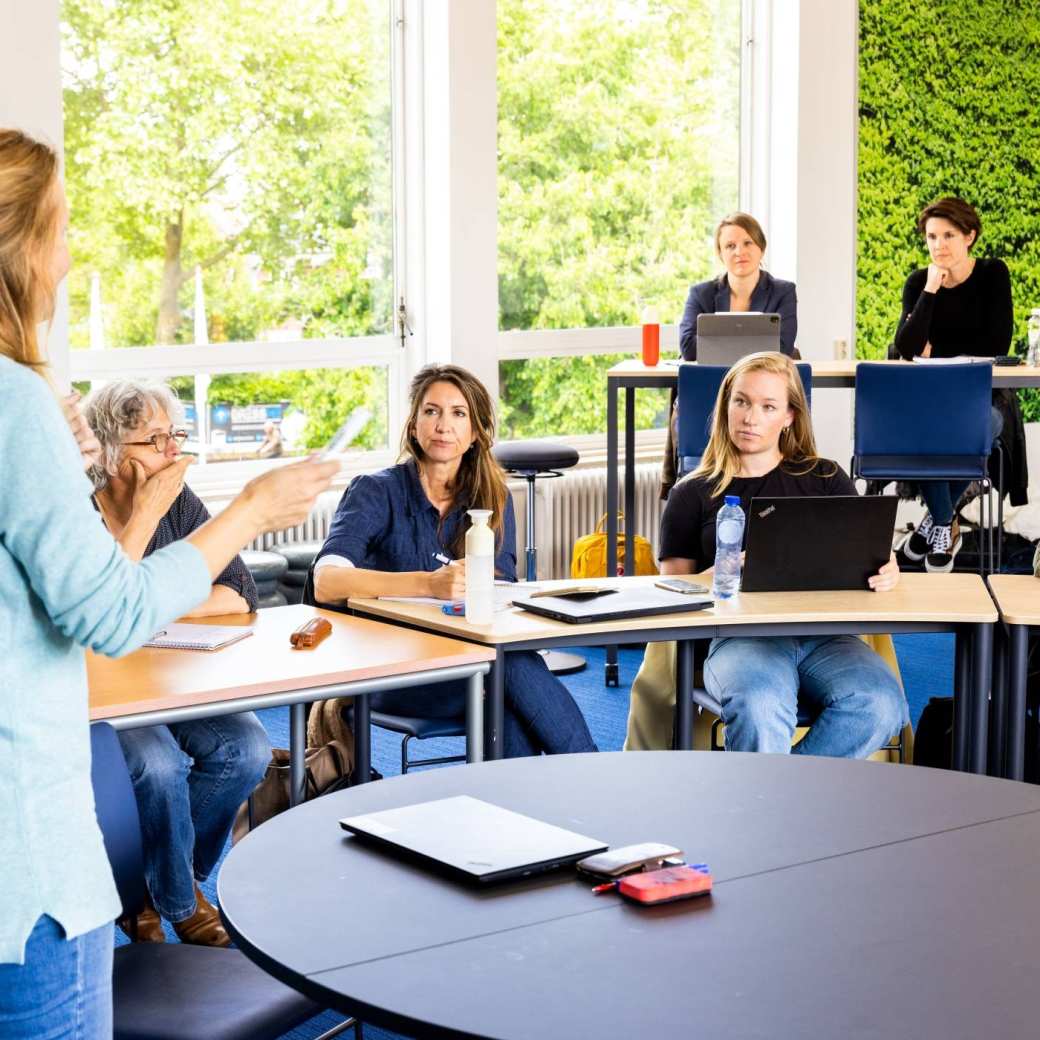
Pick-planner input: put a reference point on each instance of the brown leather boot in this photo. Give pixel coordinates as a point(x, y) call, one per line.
point(145, 927)
point(204, 927)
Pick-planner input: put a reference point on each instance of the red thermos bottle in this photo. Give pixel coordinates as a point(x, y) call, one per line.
point(651, 337)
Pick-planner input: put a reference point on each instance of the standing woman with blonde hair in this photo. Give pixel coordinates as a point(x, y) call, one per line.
point(762, 445)
point(65, 585)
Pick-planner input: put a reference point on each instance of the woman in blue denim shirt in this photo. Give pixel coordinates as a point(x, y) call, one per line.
point(401, 532)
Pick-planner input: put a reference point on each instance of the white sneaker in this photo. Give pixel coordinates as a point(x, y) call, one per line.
point(915, 546)
point(945, 544)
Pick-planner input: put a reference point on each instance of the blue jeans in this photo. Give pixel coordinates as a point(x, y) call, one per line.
point(64, 988)
point(189, 780)
point(856, 701)
point(941, 496)
point(540, 713)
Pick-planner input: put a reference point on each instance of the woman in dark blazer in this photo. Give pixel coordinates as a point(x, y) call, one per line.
point(740, 244)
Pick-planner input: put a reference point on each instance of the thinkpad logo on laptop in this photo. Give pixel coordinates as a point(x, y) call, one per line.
point(766, 512)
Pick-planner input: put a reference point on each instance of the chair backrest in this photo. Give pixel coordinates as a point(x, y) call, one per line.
point(923, 410)
point(698, 391)
point(116, 809)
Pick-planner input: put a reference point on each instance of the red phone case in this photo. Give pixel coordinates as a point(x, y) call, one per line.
point(667, 885)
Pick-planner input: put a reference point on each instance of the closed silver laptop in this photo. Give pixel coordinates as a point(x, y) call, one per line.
point(723, 339)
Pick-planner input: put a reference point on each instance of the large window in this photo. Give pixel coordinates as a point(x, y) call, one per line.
point(618, 145)
point(228, 165)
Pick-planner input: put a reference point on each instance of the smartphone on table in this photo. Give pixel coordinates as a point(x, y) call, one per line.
point(687, 588)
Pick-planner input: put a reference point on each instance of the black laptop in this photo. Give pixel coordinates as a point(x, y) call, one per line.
point(612, 605)
point(819, 543)
point(472, 840)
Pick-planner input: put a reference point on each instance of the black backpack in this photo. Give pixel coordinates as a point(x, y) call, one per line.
point(933, 738)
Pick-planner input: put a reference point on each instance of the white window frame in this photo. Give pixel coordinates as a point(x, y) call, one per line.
point(341, 353)
point(519, 345)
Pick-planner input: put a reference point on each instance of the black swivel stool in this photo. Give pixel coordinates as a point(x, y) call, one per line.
point(531, 460)
point(267, 569)
point(299, 556)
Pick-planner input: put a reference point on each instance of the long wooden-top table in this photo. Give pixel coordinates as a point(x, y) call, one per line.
point(631, 375)
point(956, 603)
point(155, 686)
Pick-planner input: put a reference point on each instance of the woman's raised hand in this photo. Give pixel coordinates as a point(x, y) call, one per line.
point(284, 496)
point(887, 578)
point(449, 581)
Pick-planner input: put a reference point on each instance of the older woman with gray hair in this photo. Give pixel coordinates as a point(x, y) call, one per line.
point(189, 777)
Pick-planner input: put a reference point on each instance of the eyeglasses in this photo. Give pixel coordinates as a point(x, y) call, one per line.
point(160, 441)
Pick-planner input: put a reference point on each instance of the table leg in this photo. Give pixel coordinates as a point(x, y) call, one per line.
point(612, 476)
point(684, 695)
point(998, 704)
point(611, 676)
point(630, 479)
point(1018, 638)
point(962, 696)
point(982, 679)
point(362, 739)
point(494, 706)
point(475, 718)
point(297, 753)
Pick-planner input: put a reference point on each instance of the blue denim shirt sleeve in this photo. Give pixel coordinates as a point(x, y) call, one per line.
point(362, 517)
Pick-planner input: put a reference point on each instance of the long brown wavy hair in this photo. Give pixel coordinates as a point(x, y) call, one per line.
point(28, 225)
point(721, 460)
point(480, 482)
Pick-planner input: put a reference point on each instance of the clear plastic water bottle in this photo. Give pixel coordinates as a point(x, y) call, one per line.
point(480, 569)
point(1033, 333)
point(729, 538)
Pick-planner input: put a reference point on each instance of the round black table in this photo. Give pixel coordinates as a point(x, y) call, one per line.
point(851, 899)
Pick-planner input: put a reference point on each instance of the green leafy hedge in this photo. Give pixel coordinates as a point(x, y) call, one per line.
point(949, 100)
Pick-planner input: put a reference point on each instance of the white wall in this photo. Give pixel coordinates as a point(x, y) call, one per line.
point(460, 174)
point(30, 100)
point(822, 191)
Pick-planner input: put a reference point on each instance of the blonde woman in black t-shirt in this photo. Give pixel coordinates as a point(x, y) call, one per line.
point(762, 444)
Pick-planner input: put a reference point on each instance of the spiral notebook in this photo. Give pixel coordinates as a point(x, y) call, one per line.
point(182, 636)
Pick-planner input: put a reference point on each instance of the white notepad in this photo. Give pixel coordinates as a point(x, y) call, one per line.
point(198, 637)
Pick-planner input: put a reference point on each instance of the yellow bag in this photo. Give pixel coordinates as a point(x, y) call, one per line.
point(589, 559)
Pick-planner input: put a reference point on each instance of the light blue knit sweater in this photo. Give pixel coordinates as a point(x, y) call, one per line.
point(64, 585)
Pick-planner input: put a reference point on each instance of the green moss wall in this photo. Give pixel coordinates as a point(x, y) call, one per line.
point(949, 96)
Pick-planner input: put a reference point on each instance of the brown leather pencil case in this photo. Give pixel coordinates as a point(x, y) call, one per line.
point(310, 633)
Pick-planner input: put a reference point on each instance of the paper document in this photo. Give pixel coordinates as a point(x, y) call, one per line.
point(198, 637)
point(960, 359)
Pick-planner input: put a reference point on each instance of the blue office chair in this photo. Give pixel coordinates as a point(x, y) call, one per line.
point(926, 422)
point(698, 392)
point(412, 727)
point(172, 991)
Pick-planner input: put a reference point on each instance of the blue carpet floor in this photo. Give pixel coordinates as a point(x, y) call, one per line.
point(925, 662)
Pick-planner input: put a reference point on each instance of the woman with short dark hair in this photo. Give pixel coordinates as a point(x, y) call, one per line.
point(958, 305)
point(402, 532)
